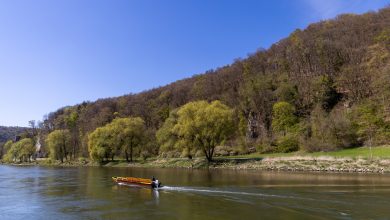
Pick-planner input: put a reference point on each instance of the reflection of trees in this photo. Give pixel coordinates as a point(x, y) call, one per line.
point(57, 183)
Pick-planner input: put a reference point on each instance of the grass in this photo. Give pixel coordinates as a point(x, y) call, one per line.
point(348, 160)
point(361, 152)
point(382, 152)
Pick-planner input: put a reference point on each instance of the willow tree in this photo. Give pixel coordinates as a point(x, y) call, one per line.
point(22, 150)
point(101, 145)
point(121, 135)
point(129, 133)
point(5, 148)
point(59, 144)
point(165, 136)
point(204, 125)
point(27, 148)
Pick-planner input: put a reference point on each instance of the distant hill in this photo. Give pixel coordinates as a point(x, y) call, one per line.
point(326, 71)
point(9, 133)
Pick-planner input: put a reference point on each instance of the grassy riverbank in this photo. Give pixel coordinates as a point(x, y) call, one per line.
point(350, 160)
point(380, 152)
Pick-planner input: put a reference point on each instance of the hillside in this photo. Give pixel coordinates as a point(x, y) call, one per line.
point(9, 133)
point(334, 73)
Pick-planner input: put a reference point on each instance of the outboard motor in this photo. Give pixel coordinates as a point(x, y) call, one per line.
point(156, 183)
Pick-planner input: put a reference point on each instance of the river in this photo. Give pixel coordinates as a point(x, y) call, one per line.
point(89, 193)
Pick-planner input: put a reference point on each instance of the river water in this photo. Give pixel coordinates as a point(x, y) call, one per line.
point(89, 193)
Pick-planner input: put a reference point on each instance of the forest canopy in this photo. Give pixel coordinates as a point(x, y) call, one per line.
point(323, 88)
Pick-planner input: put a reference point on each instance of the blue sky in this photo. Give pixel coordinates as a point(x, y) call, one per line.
point(58, 53)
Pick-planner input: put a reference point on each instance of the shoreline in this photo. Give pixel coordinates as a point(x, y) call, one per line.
point(323, 164)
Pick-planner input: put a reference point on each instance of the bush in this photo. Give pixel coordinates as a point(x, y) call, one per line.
point(222, 151)
point(234, 153)
point(199, 153)
point(145, 155)
point(329, 131)
point(8, 158)
point(170, 154)
point(287, 144)
point(187, 153)
point(265, 145)
point(82, 160)
point(314, 145)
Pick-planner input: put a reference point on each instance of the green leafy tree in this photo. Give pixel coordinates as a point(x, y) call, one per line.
point(384, 37)
point(255, 95)
point(370, 123)
point(101, 144)
point(26, 149)
point(165, 136)
point(283, 117)
point(204, 125)
point(287, 93)
point(130, 133)
point(325, 93)
point(122, 134)
point(330, 131)
point(6, 147)
point(21, 150)
point(59, 144)
point(10, 153)
point(71, 123)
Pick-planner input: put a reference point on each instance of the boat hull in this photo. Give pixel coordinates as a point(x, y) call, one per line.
point(136, 181)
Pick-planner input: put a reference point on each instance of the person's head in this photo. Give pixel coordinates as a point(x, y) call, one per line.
point(153, 178)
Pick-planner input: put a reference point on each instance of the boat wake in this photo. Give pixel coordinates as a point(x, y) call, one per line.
point(202, 190)
point(221, 192)
point(215, 191)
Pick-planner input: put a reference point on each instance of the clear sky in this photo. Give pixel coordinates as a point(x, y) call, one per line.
point(62, 52)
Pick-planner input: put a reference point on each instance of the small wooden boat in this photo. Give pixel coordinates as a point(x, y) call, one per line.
point(137, 181)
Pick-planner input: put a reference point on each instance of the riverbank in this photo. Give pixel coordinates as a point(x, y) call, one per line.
point(357, 160)
point(296, 163)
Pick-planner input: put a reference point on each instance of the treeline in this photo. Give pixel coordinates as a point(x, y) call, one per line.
point(12, 133)
point(20, 151)
point(7, 133)
point(323, 88)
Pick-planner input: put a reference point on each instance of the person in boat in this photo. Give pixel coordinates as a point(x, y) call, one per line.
point(155, 183)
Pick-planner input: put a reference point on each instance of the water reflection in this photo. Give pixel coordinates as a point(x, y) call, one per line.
point(89, 193)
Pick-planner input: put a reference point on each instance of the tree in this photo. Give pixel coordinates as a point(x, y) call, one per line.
point(122, 134)
point(255, 102)
point(59, 144)
point(26, 148)
point(165, 136)
point(287, 93)
point(325, 93)
point(283, 117)
point(129, 134)
point(22, 150)
point(204, 125)
point(71, 123)
point(335, 63)
point(34, 128)
point(369, 122)
point(330, 131)
point(9, 152)
point(100, 144)
point(5, 148)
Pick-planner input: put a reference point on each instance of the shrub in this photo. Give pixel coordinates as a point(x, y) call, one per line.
point(329, 131)
point(287, 144)
point(145, 155)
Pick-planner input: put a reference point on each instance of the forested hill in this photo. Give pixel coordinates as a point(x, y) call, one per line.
point(330, 73)
point(9, 133)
